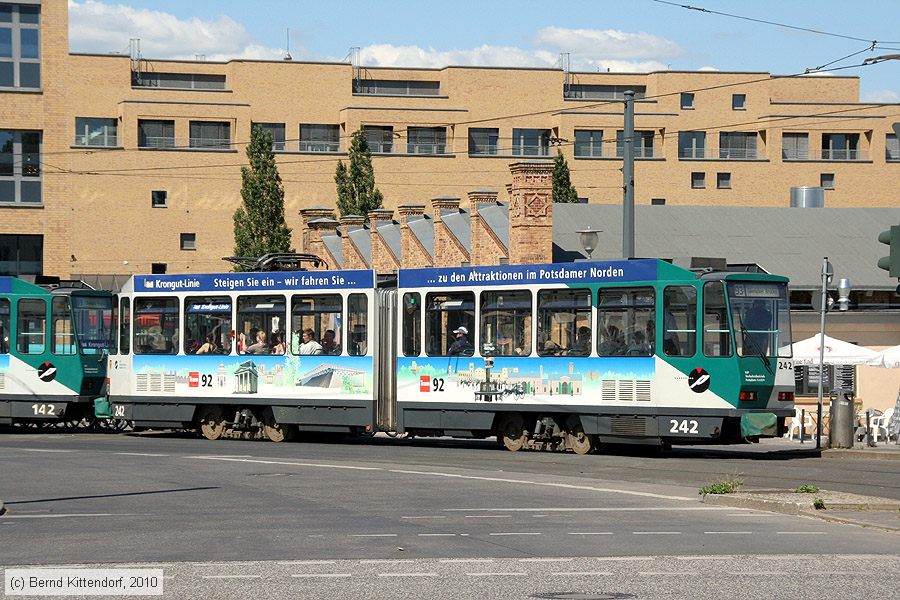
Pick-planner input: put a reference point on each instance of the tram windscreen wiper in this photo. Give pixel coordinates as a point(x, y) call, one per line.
point(754, 346)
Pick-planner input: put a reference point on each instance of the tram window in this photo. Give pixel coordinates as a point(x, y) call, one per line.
point(506, 323)
point(124, 326)
point(114, 327)
point(626, 320)
point(207, 325)
point(760, 315)
point(31, 326)
point(564, 322)
point(259, 320)
point(358, 310)
point(716, 332)
point(94, 323)
point(680, 320)
point(412, 324)
point(4, 326)
point(155, 325)
point(324, 314)
point(444, 314)
point(63, 338)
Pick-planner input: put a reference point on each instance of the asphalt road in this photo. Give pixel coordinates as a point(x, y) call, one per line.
point(350, 507)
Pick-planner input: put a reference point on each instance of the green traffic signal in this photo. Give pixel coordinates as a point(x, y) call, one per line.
point(891, 263)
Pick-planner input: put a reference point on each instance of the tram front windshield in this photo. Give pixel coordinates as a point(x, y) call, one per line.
point(761, 317)
point(93, 322)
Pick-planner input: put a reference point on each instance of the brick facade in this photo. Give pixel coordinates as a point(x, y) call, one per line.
point(531, 212)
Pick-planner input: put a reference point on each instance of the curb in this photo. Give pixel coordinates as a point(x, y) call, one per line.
point(804, 509)
point(861, 454)
point(2, 509)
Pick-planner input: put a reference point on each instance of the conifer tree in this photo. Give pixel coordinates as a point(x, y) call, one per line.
point(259, 225)
point(356, 191)
point(563, 190)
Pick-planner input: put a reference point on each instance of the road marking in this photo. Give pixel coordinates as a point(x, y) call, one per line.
point(757, 573)
point(488, 516)
point(728, 532)
point(320, 575)
point(230, 576)
point(545, 560)
point(138, 454)
point(667, 573)
point(705, 558)
point(305, 562)
point(580, 573)
point(511, 574)
point(427, 517)
point(373, 535)
point(656, 532)
point(67, 516)
point(42, 450)
point(466, 560)
point(801, 532)
point(623, 558)
point(407, 574)
point(518, 533)
point(761, 514)
point(590, 533)
point(387, 561)
point(282, 462)
point(436, 535)
point(590, 509)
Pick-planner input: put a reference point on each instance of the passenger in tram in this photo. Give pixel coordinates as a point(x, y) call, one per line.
point(310, 345)
point(551, 348)
point(638, 345)
point(260, 347)
point(612, 344)
point(209, 346)
point(329, 343)
point(358, 341)
point(277, 343)
point(671, 344)
point(504, 344)
point(582, 345)
point(650, 337)
point(461, 346)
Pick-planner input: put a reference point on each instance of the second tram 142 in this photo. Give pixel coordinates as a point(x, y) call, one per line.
point(557, 356)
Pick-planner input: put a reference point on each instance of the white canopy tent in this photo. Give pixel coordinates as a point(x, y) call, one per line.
point(888, 359)
point(837, 352)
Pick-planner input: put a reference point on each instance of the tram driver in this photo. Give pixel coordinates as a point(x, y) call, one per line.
point(461, 345)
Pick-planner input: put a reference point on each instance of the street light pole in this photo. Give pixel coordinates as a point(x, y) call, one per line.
point(628, 178)
point(826, 277)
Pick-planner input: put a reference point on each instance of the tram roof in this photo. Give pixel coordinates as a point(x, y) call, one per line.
point(783, 241)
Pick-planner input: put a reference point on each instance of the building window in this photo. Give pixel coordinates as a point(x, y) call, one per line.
point(277, 132)
point(380, 138)
point(159, 199)
point(20, 167)
point(657, 202)
point(691, 144)
point(158, 268)
point(698, 181)
point(806, 378)
point(20, 47)
point(840, 146)
point(891, 147)
point(737, 145)
point(96, 132)
point(739, 102)
point(687, 101)
point(426, 140)
point(320, 138)
point(386, 87)
point(156, 134)
point(21, 254)
point(188, 241)
point(723, 181)
point(210, 134)
point(826, 180)
point(181, 81)
point(484, 141)
point(795, 146)
point(643, 144)
point(531, 142)
point(588, 143)
point(577, 91)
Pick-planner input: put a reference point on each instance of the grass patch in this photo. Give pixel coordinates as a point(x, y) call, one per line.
point(819, 504)
point(729, 486)
point(807, 489)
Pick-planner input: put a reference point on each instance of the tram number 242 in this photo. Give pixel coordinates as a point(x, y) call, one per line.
point(683, 426)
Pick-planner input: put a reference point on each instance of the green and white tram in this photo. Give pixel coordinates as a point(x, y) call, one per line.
point(53, 344)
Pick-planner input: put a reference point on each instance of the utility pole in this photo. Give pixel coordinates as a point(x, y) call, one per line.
point(628, 179)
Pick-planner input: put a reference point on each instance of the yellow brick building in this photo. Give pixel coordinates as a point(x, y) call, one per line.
point(116, 164)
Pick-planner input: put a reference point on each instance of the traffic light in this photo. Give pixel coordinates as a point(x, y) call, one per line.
point(891, 263)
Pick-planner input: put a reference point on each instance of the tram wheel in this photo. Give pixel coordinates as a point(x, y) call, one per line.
point(511, 431)
point(275, 431)
point(579, 441)
point(212, 423)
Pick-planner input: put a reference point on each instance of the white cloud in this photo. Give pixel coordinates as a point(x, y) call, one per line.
point(99, 27)
point(889, 96)
point(388, 55)
point(607, 44)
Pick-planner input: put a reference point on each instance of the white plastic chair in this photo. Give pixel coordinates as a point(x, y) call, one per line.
point(799, 423)
point(879, 422)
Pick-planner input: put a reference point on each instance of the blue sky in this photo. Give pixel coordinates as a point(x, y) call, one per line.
point(631, 35)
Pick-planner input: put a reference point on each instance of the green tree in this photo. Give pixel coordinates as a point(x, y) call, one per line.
point(259, 225)
point(356, 190)
point(563, 190)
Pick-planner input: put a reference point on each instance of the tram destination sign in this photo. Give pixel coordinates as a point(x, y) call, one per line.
point(561, 273)
point(5, 285)
point(279, 280)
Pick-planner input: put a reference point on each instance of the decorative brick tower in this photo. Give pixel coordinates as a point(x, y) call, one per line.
point(531, 212)
point(486, 247)
point(412, 254)
point(352, 259)
point(383, 259)
point(448, 251)
point(307, 215)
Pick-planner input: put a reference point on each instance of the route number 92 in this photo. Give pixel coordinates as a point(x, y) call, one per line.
point(683, 426)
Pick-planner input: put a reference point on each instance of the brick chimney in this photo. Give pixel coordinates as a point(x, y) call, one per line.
point(383, 259)
point(317, 228)
point(486, 249)
point(531, 212)
point(448, 251)
point(307, 215)
point(352, 257)
point(412, 254)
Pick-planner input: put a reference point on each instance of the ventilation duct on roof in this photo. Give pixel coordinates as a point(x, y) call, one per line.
point(808, 197)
